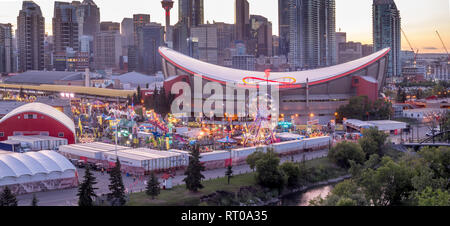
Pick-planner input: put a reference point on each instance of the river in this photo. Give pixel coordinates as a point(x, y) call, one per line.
point(303, 198)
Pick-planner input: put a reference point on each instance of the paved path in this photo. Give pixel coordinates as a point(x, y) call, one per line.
point(69, 197)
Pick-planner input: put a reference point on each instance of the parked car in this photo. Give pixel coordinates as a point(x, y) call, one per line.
point(81, 164)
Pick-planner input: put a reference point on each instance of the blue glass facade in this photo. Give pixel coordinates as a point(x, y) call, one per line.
point(387, 33)
point(151, 38)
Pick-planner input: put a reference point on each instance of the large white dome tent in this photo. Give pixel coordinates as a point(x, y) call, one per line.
point(36, 171)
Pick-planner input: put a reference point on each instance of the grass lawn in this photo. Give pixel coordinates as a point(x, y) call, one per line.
point(178, 195)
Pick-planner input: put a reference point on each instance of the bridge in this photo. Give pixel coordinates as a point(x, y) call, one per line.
point(441, 139)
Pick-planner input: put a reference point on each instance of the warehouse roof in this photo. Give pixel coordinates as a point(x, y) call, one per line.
point(44, 77)
point(32, 163)
point(42, 109)
point(138, 78)
point(73, 89)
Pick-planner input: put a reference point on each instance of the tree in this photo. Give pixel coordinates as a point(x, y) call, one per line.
point(268, 173)
point(34, 201)
point(356, 109)
point(86, 190)
point(7, 198)
point(139, 95)
point(401, 95)
point(253, 158)
point(345, 151)
point(438, 160)
point(428, 197)
point(229, 172)
point(116, 187)
point(380, 109)
point(390, 184)
point(373, 142)
point(292, 172)
point(346, 202)
point(153, 188)
point(21, 93)
point(194, 170)
point(345, 193)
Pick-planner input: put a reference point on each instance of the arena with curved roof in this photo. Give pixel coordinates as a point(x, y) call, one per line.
point(37, 119)
point(36, 171)
point(304, 95)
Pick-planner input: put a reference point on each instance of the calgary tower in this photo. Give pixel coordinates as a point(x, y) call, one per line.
point(167, 6)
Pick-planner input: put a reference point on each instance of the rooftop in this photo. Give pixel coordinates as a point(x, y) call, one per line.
point(44, 77)
point(223, 74)
point(73, 89)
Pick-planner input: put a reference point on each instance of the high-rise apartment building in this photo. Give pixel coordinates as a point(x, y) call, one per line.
point(65, 27)
point(242, 20)
point(387, 33)
point(341, 37)
point(107, 49)
point(367, 50)
point(349, 51)
point(30, 37)
point(48, 52)
point(6, 49)
point(312, 25)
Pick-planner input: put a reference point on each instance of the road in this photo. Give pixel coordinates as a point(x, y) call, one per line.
point(69, 197)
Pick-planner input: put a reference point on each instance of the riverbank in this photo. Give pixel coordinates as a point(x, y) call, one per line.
point(243, 189)
point(304, 189)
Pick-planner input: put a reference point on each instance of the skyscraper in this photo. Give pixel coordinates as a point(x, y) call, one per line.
point(260, 36)
point(65, 27)
point(181, 33)
point(311, 39)
point(127, 31)
point(190, 14)
point(107, 49)
point(30, 37)
point(6, 49)
point(151, 37)
point(109, 26)
point(206, 35)
point(319, 30)
point(192, 11)
point(139, 20)
point(284, 7)
point(387, 33)
point(242, 20)
point(88, 15)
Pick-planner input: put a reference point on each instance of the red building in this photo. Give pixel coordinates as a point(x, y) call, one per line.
point(366, 86)
point(37, 119)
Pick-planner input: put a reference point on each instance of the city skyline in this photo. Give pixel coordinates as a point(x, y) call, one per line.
point(419, 25)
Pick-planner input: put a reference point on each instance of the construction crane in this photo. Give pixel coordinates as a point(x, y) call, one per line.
point(412, 49)
point(440, 38)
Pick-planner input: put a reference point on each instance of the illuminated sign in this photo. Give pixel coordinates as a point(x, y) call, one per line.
point(284, 82)
point(285, 125)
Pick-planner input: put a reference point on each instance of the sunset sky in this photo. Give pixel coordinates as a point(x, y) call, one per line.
point(420, 18)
